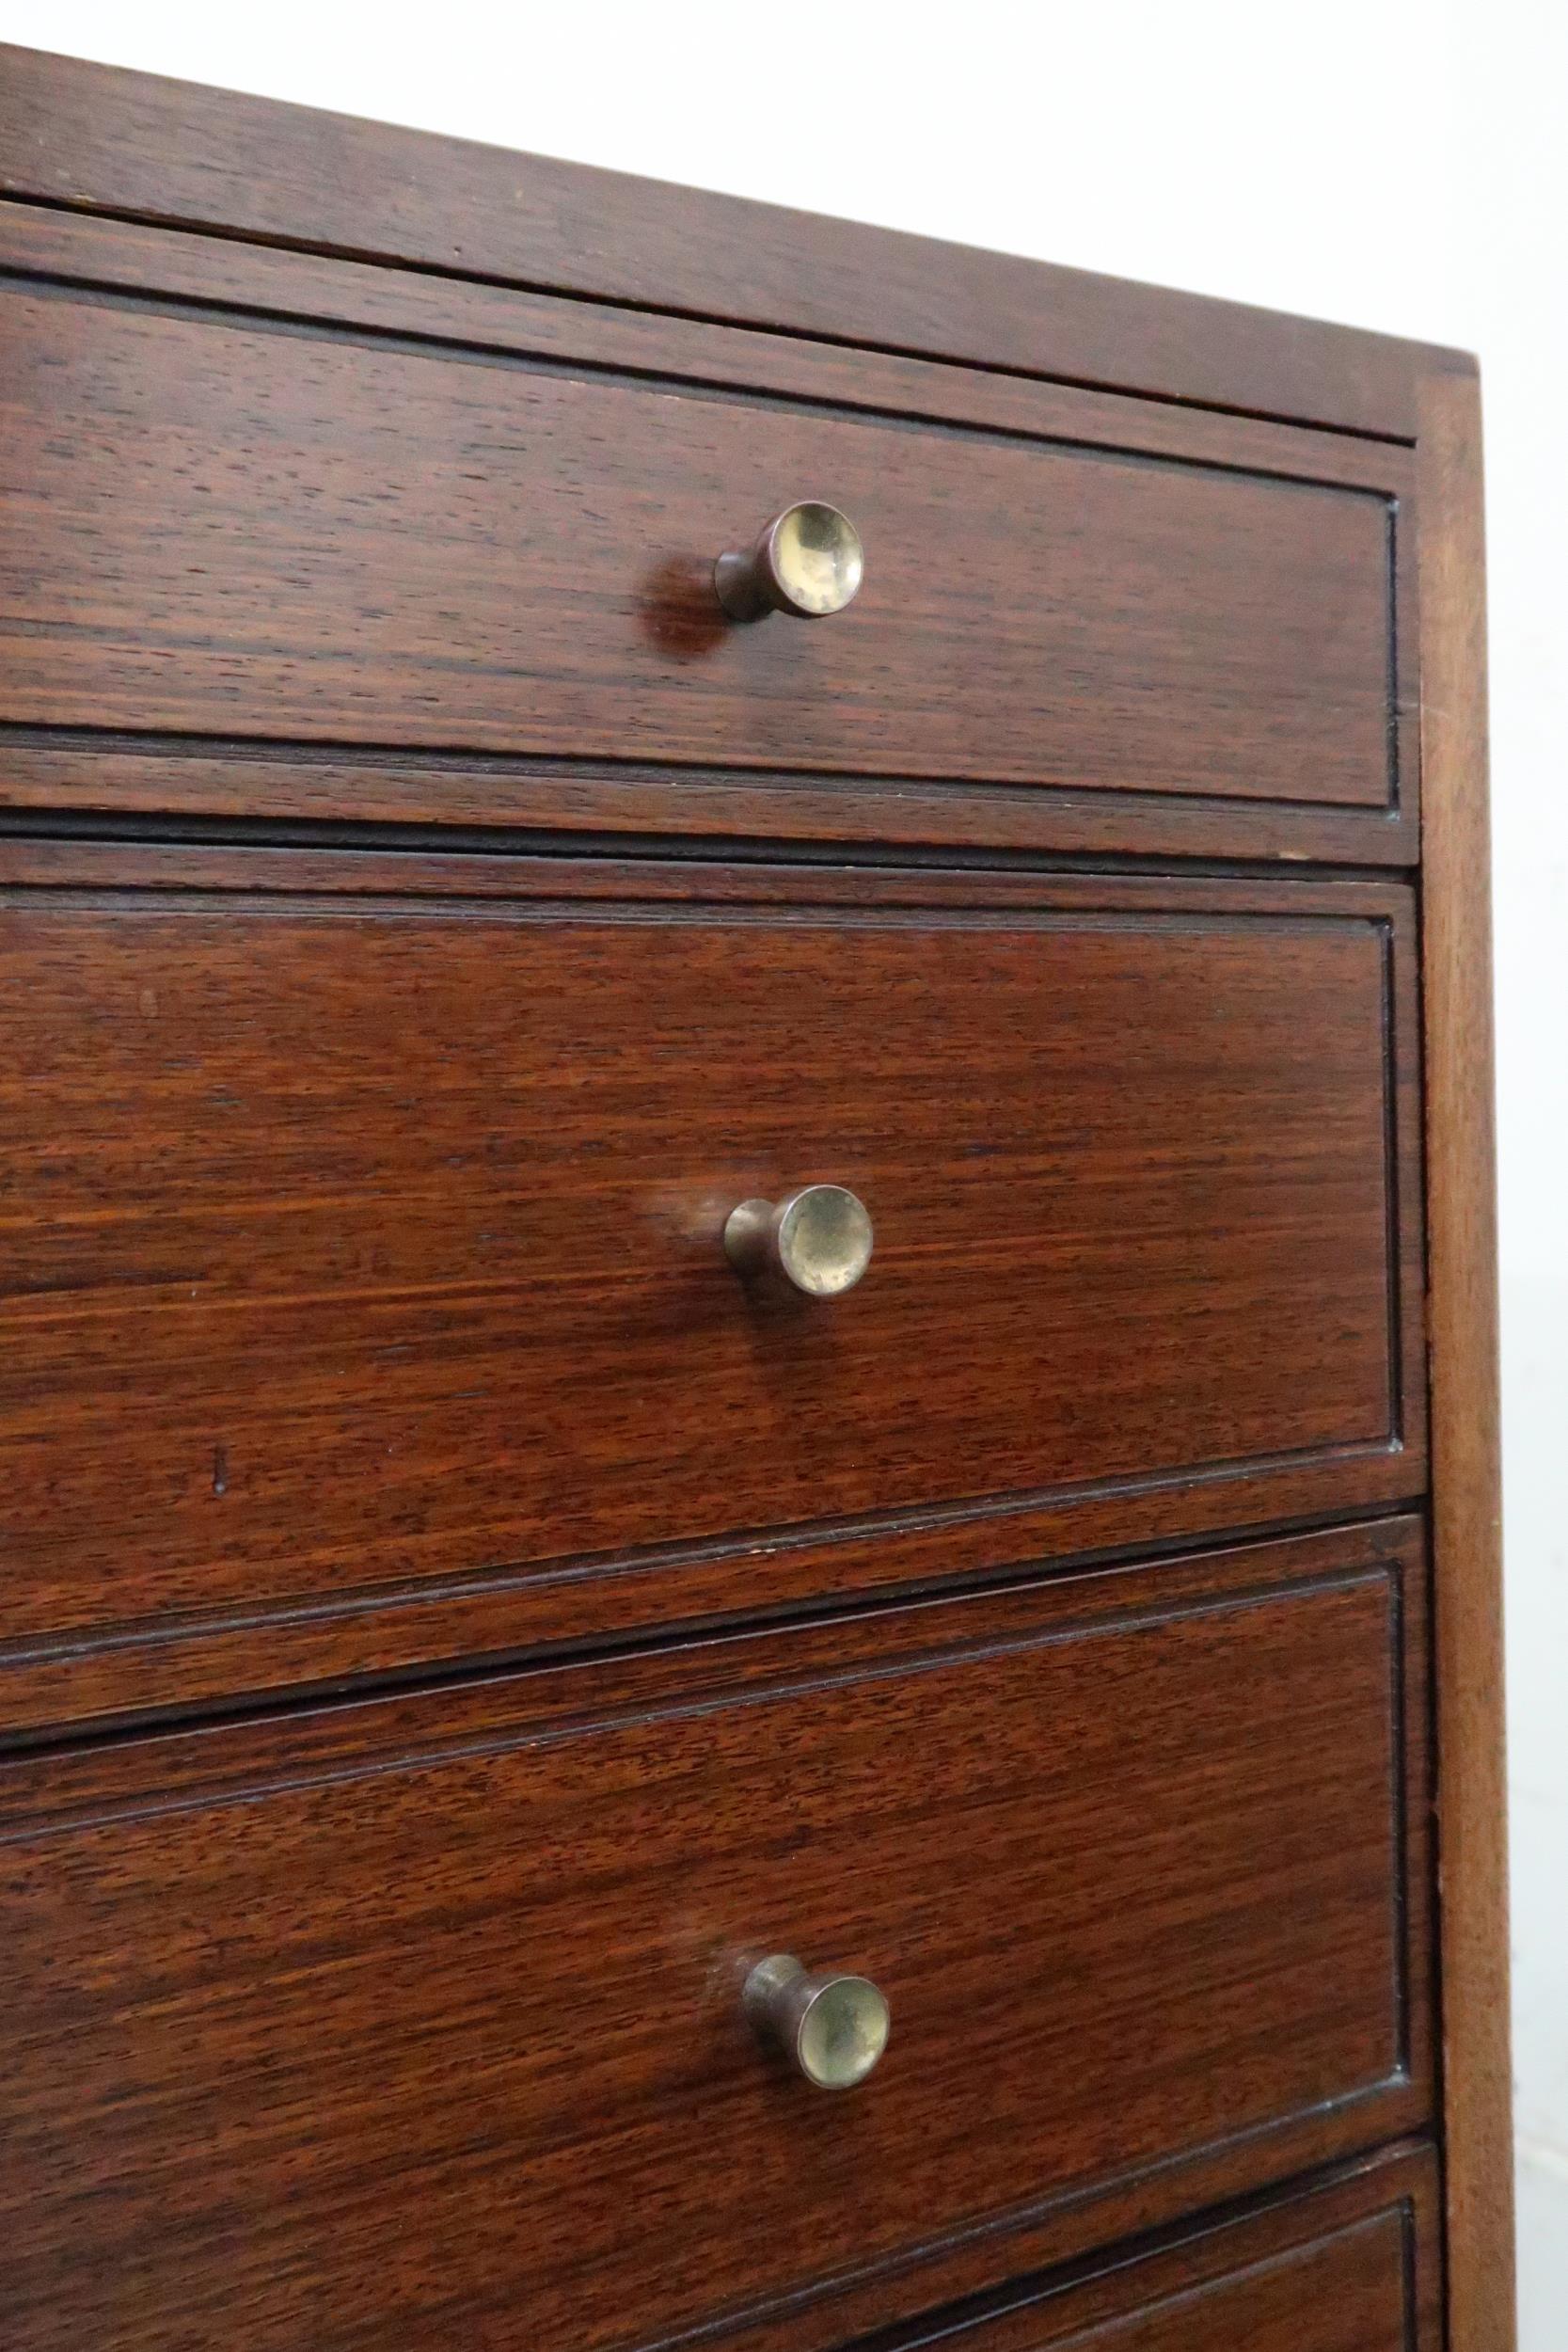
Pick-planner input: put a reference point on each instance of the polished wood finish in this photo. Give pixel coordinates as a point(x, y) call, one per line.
point(224, 275)
point(217, 531)
point(448, 1623)
point(429, 1285)
point(195, 780)
point(1466, 1483)
point(1351, 2266)
point(421, 2018)
point(472, 322)
point(84, 136)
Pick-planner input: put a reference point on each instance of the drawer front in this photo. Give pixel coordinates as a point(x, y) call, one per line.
point(375, 1244)
point(420, 2022)
point(228, 532)
point(1349, 2268)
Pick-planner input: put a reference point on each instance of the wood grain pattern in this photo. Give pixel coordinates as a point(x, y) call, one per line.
point(184, 783)
point(94, 772)
point(376, 1243)
point(217, 530)
point(416, 2021)
point(222, 274)
point(1352, 2266)
point(366, 1355)
point(85, 135)
point(1467, 1470)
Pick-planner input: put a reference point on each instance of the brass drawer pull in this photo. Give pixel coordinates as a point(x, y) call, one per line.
point(833, 2029)
point(818, 1239)
point(808, 561)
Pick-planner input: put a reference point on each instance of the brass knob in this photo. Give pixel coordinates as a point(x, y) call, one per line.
point(819, 1239)
point(833, 2029)
point(808, 561)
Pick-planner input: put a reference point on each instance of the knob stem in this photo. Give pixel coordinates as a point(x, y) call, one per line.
point(743, 588)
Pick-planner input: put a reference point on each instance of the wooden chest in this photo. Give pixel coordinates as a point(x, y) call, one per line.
point(747, 1421)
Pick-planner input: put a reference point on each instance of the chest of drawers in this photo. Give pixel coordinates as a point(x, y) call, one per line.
point(746, 1412)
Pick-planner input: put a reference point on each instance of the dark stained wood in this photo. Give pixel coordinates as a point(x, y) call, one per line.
point(217, 530)
point(491, 1622)
point(85, 774)
point(223, 1659)
point(416, 2024)
point(84, 135)
point(424, 866)
point(376, 1244)
point(1466, 1498)
point(80, 249)
point(1351, 2266)
point(89, 772)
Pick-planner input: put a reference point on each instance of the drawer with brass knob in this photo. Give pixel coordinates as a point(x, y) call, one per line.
point(464, 557)
point(548, 1252)
point(603, 2004)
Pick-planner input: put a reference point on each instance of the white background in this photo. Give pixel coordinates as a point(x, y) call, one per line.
point(1389, 164)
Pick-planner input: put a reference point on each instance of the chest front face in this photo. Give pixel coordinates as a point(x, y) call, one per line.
point(738, 1239)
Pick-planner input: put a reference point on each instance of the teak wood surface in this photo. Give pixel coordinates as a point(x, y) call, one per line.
point(430, 1287)
point(349, 1974)
point(419, 916)
point(1467, 1501)
point(1352, 2266)
point(386, 314)
point(212, 529)
point(135, 145)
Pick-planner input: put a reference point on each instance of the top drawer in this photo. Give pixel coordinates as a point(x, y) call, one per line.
point(219, 530)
